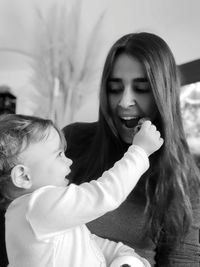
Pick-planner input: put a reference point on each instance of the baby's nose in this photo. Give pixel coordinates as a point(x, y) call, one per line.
point(69, 161)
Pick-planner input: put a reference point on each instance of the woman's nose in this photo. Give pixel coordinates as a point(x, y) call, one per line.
point(128, 98)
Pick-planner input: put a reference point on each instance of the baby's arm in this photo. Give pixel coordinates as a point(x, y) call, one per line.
point(118, 252)
point(55, 209)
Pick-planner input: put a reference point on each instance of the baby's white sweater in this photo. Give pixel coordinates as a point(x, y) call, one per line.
point(47, 227)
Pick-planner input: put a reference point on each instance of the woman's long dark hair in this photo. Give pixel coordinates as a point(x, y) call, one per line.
point(173, 178)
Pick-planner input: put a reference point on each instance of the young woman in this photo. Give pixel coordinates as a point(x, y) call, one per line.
point(161, 218)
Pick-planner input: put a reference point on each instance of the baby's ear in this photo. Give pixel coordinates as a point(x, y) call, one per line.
point(20, 177)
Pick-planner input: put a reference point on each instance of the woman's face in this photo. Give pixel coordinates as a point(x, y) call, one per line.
point(130, 96)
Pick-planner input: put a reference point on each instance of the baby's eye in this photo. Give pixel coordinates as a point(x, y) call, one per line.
point(61, 153)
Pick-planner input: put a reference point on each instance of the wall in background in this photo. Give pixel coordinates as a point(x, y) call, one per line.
point(176, 21)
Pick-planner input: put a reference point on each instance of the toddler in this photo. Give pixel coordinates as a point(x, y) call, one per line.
point(46, 216)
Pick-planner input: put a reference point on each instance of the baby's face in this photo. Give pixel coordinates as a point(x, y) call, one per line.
point(46, 162)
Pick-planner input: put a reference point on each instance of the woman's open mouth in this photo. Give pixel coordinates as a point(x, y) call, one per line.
point(130, 122)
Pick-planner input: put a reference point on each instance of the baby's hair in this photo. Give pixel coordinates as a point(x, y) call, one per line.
point(16, 133)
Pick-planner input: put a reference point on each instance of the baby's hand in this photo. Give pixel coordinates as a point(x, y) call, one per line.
point(148, 138)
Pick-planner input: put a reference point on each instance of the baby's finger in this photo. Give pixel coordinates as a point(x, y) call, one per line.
point(142, 120)
point(146, 124)
point(157, 133)
point(161, 139)
point(136, 129)
point(153, 127)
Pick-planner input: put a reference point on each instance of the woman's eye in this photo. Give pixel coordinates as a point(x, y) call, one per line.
point(143, 88)
point(115, 87)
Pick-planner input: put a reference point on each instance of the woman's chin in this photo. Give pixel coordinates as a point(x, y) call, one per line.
point(127, 135)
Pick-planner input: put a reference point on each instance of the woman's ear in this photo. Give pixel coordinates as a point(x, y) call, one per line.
point(20, 177)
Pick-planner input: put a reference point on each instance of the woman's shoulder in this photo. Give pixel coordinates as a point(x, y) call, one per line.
point(79, 137)
point(79, 129)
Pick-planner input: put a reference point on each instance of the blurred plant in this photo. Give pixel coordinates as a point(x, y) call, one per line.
point(190, 106)
point(67, 61)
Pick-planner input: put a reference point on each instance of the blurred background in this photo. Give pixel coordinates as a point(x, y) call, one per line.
point(52, 53)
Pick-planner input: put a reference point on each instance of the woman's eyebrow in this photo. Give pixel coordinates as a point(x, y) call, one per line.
point(143, 80)
point(114, 80)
